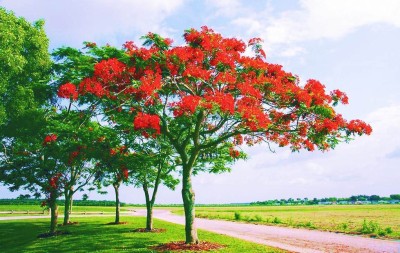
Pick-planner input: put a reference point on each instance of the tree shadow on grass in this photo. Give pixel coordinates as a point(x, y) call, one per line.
point(17, 235)
point(21, 236)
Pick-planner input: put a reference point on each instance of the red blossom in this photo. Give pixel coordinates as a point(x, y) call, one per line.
point(68, 90)
point(224, 101)
point(109, 71)
point(187, 105)
point(49, 139)
point(234, 153)
point(359, 127)
point(338, 95)
point(145, 121)
point(125, 172)
point(92, 86)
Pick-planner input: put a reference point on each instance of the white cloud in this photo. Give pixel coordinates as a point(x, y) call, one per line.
point(314, 20)
point(225, 7)
point(330, 19)
point(74, 21)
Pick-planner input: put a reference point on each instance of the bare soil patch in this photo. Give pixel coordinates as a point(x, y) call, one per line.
point(69, 223)
point(154, 230)
point(179, 246)
point(57, 233)
point(117, 223)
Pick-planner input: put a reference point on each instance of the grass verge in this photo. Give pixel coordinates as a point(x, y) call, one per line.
point(94, 235)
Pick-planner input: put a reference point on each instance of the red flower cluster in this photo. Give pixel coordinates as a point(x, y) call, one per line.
point(224, 101)
point(234, 153)
point(338, 95)
point(90, 44)
point(121, 150)
point(145, 121)
point(91, 85)
point(125, 172)
point(109, 71)
point(187, 105)
point(317, 92)
point(53, 182)
point(150, 83)
point(49, 138)
point(68, 90)
point(359, 127)
point(252, 114)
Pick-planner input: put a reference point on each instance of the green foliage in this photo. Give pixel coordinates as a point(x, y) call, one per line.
point(24, 71)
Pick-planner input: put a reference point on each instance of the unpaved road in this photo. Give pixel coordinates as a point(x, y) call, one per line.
point(296, 240)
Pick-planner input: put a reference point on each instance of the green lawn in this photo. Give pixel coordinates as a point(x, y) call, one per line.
point(380, 220)
point(93, 235)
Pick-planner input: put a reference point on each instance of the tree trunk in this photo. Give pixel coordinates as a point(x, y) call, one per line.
point(54, 213)
point(188, 197)
point(67, 206)
point(149, 218)
point(71, 203)
point(149, 207)
point(117, 204)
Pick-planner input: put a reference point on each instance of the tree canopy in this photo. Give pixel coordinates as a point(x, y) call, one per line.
point(24, 71)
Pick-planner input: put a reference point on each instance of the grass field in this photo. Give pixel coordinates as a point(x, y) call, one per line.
point(75, 209)
point(93, 235)
point(372, 220)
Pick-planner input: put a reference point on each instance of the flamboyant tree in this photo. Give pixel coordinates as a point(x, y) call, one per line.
point(207, 98)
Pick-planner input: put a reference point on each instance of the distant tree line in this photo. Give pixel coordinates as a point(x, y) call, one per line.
point(36, 202)
point(393, 198)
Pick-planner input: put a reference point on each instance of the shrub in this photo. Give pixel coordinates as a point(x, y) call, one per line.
point(276, 220)
point(238, 216)
point(258, 218)
point(344, 226)
point(369, 227)
point(388, 230)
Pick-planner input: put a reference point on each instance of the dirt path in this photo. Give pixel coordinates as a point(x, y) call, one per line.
point(296, 240)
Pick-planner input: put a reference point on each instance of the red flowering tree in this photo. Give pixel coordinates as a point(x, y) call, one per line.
point(207, 98)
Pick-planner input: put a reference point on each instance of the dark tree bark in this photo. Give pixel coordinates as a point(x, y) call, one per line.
point(188, 197)
point(54, 213)
point(117, 203)
point(68, 194)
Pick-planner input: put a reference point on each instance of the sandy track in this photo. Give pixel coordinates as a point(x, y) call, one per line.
point(296, 240)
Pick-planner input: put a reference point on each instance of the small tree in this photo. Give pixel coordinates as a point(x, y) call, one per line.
point(154, 166)
point(112, 162)
point(207, 95)
point(34, 165)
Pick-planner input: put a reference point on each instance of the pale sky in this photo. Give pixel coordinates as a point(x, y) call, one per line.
point(351, 45)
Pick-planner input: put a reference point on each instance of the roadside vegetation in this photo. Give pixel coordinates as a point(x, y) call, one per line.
point(370, 220)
